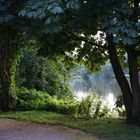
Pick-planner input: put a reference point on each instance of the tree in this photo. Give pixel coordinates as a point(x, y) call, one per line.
point(10, 45)
point(73, 25)
point(117, 25)
point(44, 74)
point(16, 32)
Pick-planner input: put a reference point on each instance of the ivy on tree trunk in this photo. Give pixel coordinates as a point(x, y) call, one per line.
point(8, 63)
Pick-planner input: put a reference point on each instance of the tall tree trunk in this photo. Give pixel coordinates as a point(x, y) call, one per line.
point(5, 78)
point(134, 80)
point(122, 81)
point(7, 81)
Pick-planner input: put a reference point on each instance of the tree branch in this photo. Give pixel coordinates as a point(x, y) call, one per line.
point(80, 38)
point(89, 42)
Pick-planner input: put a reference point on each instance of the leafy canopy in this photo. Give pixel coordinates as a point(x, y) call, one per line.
point(74, 21)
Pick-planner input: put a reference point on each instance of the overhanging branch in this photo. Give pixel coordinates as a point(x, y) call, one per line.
point(80, 38)
point(90, 42)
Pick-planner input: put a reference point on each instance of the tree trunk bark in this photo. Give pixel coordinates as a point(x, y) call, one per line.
point(8, 95)
point(4, 80)
point(134, 80)
point(122, 81)
point(6, 103)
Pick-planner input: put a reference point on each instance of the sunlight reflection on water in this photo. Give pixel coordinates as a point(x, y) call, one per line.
point(110, 99)
point(79, 95)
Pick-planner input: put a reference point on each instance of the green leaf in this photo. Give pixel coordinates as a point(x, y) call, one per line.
point(73, 4)
point(57, 10)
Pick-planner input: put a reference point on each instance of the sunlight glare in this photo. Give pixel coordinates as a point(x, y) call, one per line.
point(79, 95)
point(110, 100)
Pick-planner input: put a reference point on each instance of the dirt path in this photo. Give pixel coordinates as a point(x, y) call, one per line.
point(16, 130)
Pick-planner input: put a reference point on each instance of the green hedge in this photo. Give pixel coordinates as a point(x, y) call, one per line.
point(37, 100)
point(91, 107)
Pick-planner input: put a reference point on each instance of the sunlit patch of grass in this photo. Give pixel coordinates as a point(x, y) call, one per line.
point(112, 129)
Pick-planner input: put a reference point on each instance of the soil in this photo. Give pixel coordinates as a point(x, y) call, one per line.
point(17, 130)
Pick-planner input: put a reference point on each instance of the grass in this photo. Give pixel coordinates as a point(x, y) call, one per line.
point(112, 129)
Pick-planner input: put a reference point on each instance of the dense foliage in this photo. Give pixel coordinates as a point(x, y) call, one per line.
point(95, 30)
point(120, 108)
point(38, 100)
point(108, 28)
point(45, 74)
point(93, 106)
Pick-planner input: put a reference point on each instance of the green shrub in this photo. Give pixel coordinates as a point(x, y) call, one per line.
point(68, 107)
point(119, 107)
point(93, 106)
point(37, 100)
point(44, 74)
point(31, 99)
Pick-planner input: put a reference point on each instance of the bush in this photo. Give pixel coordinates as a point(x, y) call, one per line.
point(43, 74)
point(37, 100)
point(31, 99)
point(120, 108)
point(68, 106)
point(93, 106)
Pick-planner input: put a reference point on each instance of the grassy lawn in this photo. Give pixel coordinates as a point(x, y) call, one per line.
point(113, 129)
